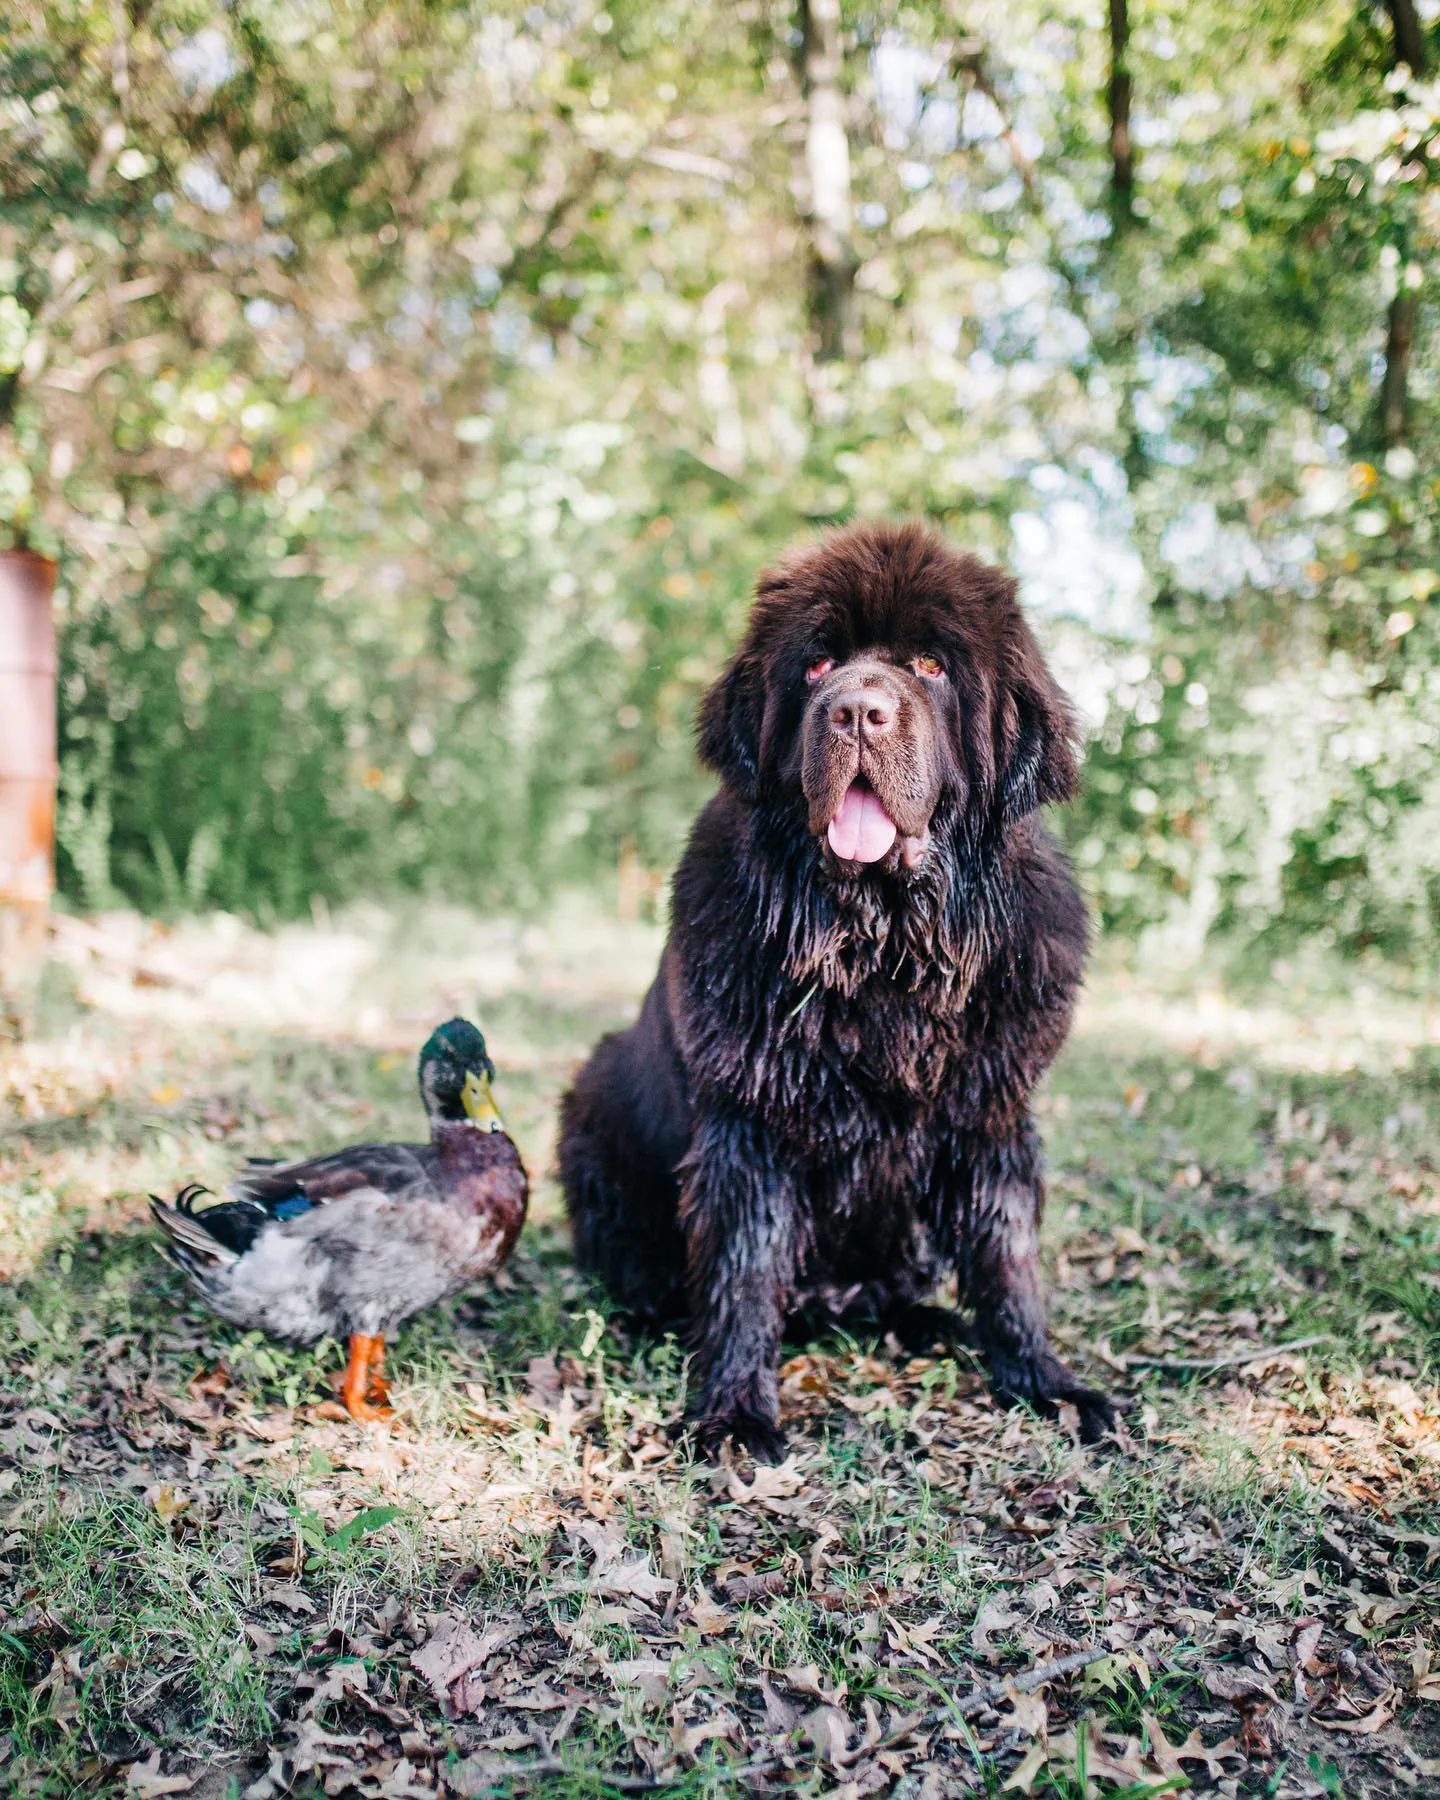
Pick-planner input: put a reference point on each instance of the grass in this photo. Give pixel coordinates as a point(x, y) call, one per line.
point(206, 1578)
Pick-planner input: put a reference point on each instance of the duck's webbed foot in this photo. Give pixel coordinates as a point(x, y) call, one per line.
point(366, 1392)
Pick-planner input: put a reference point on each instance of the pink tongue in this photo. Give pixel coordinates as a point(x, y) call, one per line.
point(862, 830)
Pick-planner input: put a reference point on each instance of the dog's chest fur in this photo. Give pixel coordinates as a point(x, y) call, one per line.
point(845, 1030)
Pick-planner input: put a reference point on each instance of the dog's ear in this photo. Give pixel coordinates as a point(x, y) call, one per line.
point(727, 730)
point(1036, 734)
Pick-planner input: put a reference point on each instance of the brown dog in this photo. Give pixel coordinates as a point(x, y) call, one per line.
point(824, 1105)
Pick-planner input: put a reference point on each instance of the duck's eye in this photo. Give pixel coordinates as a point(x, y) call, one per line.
point(818, 670)
point(930, 666)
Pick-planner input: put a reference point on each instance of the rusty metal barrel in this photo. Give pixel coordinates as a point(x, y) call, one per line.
point(27, 754)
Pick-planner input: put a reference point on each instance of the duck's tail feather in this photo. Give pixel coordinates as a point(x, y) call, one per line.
point(188, 1245)
point(213, 1238)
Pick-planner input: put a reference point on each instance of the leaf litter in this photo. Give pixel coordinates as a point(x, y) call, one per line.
point(211, 1583)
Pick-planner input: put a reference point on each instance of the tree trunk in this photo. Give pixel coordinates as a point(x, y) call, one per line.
point(1395, 385)
point(1409, 48)
point(1409, 34)
point(1122, 153)
point(827, 166)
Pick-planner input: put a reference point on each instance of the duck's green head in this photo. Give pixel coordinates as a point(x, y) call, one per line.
point(455, 1076)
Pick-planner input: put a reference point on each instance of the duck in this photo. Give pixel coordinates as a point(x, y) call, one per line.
point(350, 1244)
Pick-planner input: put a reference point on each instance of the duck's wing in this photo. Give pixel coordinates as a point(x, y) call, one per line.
point(399, 1171)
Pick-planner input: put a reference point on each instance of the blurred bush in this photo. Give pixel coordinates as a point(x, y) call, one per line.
point(412, 393)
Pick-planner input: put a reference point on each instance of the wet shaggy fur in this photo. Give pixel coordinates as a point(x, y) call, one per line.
point(824, 1107)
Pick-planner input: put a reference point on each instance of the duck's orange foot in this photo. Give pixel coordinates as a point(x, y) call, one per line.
point(367, 1413)
point(366, 1393)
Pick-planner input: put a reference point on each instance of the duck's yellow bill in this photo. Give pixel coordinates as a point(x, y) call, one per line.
point(479, 1103)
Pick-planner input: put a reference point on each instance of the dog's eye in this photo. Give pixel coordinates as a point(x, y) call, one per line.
point(818, 670)
point(929, 665)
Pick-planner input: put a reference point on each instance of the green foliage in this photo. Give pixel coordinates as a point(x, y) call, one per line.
point(413, 393)
point(325, 1544)
point(242, 732)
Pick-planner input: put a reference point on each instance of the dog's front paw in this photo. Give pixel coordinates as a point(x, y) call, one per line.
point(749, 1431)
point(1044, 1382)
point(1099, 1414)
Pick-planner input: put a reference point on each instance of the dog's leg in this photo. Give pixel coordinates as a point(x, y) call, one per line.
point(620, 1194)
point(738, 1213)
point(998, 1219)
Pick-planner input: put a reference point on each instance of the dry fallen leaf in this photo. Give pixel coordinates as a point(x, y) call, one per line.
point(1114, 1758)
point(994, 1616)
point(916, 1640)
point(780, 1716)
point(649, 1674)
point(168, 1501)
point(313, 1748)
point(619, 1570)
point(1305, 1642)
point(1028, 1713)
point(1424, 1679)
point(805, 1679)
point(688, 1738)
point(828, 1730)
point(778, 1482)
point(1371, 1613)
point(450, 1660)
point(145, 1781)
point(1241, 1687)
point(1213, 1757)
point(340, 1679)
point(1025, 1773)
point(1378, 1717)
point(710, 1620)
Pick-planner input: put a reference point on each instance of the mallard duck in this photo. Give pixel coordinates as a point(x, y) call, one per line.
point(349, 1244)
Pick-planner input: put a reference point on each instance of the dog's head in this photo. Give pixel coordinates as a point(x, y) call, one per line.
point(891, 682)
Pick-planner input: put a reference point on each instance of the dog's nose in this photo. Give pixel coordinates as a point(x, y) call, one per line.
point(867, 712)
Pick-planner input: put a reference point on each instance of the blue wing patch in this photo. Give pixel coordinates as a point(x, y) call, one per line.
point(292, 1207)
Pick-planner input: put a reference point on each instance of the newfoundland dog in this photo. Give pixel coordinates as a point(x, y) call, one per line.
point(824, 1106)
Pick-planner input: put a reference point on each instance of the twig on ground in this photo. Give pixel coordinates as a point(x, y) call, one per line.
point(1207, 1365)
point(968, 1706)
point(541, 1767)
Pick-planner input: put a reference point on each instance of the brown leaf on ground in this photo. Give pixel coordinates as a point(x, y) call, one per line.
point(1304, 1642)
point(995, 1615)
point(778, 1482)
point(618, 1570)
point(145, 1781)
point(688, 1738)
point(1213, 1756)
point(1028, 1713)
point(709, 1619)
point(1027, 1771)
point(452, 1656)
point(648, 1674)
point(780, 1716)
point(1243, 1688)
point(1364, 1724)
